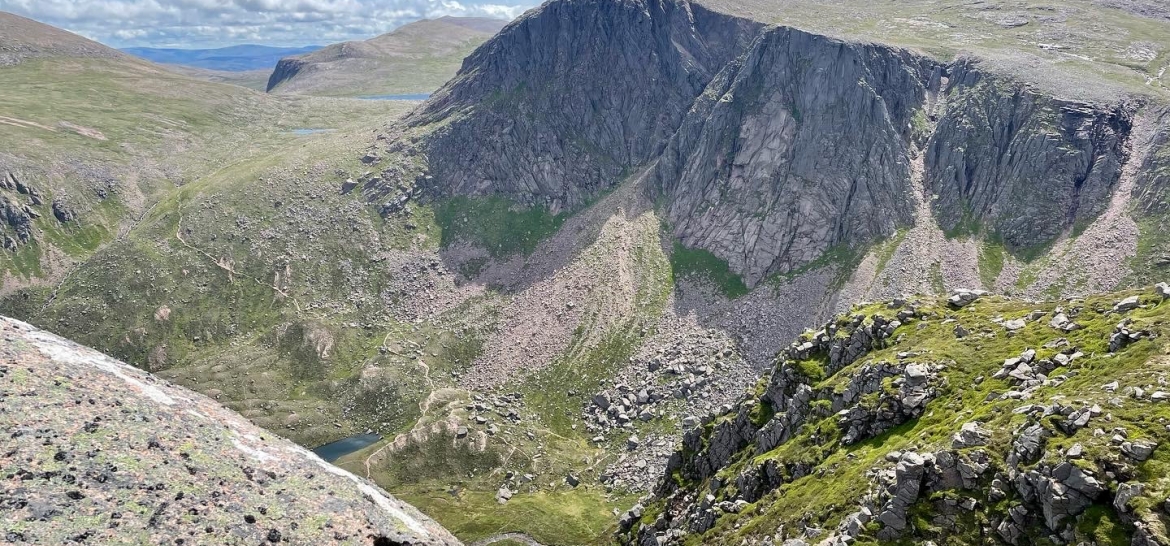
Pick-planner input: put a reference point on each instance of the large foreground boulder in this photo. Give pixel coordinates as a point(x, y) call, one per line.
point(97, 451)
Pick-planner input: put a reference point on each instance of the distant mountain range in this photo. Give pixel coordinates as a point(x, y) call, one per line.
point(235, 58)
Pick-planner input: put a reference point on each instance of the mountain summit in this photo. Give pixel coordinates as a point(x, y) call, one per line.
point(22, 38)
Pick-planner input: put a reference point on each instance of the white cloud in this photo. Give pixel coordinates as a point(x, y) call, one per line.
point(214, 23)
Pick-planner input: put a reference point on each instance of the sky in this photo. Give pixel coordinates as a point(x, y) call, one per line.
point(218, 23)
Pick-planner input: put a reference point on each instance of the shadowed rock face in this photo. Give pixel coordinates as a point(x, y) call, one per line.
point(563, 101)
point(99, 451)
point(800, 145)
point(1025, 165)
point(286, 69)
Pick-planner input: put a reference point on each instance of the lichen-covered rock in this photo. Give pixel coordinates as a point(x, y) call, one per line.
point(96, 450)
point(1062, 492)
point(1044, 460)
point(963, 297)
point(969, 435)
point(907, 485)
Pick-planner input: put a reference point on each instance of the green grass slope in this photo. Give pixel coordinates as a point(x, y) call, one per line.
point(107, 136)
point(416, 58)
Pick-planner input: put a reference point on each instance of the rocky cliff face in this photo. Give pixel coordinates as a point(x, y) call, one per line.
point(1023, 165)
point(771, 147)
point(99, 451)
point(286, 69)
point(1153, 190)
point(800, 145)
point(565, 100)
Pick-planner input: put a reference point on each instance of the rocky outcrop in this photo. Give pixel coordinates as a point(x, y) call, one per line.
point(286, 69)
point(1010, 450)
point(20, 204)
point(800, 145)
point(1025, 166)
point(15, 222)
point(568, 98)
point(903, 492)
point(98, 451)
point(63, 212)
point(1063, 491)
point(875, 398)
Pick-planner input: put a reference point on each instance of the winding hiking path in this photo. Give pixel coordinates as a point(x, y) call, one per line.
point(424, 407)
point(226, 264)
point(516, 537)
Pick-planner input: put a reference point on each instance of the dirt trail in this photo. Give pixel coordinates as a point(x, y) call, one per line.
point(15, 122)
point(516, 537)
point(424, 406)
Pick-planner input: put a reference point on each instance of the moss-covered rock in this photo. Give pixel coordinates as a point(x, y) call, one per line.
point(1022, 431)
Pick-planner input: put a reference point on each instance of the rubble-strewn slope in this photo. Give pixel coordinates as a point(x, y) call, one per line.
point(974, 420)
point(466, 284)
point(102, 452)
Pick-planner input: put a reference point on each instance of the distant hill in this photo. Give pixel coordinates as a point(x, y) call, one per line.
point(415, 58)
point(235, 58)
point(22, 38)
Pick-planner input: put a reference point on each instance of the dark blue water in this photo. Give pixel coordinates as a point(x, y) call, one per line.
point(417, 96)
point(336, 450)
point(303, 132)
